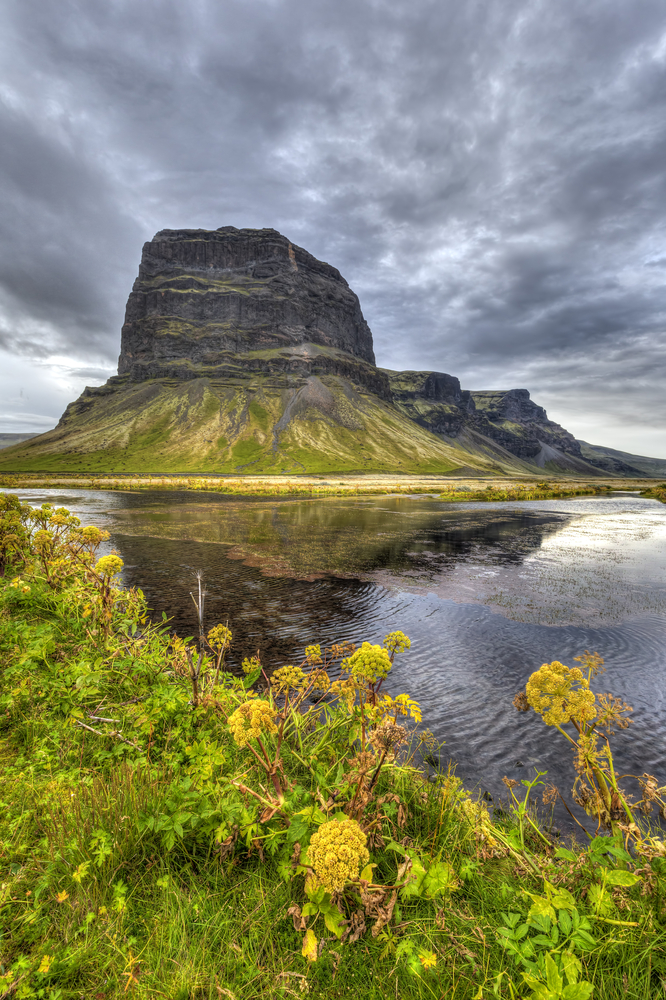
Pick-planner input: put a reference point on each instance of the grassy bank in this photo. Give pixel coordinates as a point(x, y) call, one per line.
point(168, 829)
point(441, 487)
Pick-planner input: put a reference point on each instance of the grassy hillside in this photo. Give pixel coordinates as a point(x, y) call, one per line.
point(322, 425)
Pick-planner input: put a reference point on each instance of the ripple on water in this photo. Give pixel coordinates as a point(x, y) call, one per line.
point(487, 593)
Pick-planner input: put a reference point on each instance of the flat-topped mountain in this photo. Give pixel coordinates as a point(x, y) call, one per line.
point(202, 295)
point(241, 352)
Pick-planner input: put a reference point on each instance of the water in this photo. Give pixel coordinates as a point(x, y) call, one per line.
point(486, 591)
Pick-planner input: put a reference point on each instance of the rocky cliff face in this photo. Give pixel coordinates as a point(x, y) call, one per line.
point(500, 423)
point(204, 298)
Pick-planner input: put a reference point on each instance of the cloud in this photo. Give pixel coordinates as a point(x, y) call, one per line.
point(488, 176)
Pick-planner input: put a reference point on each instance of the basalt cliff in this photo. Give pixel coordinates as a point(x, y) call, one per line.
point(243, 353)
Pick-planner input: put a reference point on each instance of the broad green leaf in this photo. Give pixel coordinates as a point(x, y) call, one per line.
point(584, 941)
point(563, 900)
point(562, 852)
point(618, 876)
point(565, 921)
point(366, 874)
point(541, 907)
point(600, 900)
point(439, 878)
point(333, 919)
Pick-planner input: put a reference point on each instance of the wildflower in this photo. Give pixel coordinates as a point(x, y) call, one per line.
point(428, 959)
point(250, 664)
point(560, 693)
point(337, 852)
point(320, 680)
point(62, 896)
point(313, 655)
point(288, 677)
point(219, 638)
point(45, 963)
point(510, 782)
point(397, 642)
point(252, 719)
point(369, 663)
point(93, 535)
point(109, 566)
point(345, 691)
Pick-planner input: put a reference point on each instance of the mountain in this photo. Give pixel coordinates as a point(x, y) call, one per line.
point(241, 352)
point(622, 463)
point(502, 425)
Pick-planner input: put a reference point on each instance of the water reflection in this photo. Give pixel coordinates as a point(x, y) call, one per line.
point(565, 575)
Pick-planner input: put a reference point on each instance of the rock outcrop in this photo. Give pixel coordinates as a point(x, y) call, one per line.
point(229, 301)
point(499, 424)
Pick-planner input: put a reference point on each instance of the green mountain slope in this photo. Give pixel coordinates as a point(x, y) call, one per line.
point(318, 424)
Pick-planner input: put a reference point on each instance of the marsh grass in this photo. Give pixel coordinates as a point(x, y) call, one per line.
point(145, 851)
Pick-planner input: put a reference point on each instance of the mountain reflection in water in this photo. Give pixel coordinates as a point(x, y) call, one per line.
point(564, 576)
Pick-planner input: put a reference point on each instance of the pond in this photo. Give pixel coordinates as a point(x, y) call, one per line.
point(487, 592)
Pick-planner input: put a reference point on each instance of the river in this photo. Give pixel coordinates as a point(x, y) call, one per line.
point(487, 592)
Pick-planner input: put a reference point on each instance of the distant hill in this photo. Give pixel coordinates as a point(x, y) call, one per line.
point(616, 462)
point(241, 352)
point(7, 440)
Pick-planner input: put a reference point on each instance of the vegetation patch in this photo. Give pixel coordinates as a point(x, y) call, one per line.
point(170, 829)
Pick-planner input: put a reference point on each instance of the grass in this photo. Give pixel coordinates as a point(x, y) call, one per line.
point(146, 850)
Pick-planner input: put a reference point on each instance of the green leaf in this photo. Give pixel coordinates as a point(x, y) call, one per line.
point(563, 900)
point(565, 922)
point(572, 966)
point(617, 876)
point(577, 991)
point(439, 878)
point(584, 941)
point(333, 919)
point(248, 681)
point(562, 852)
point(541, 907)
point(553, 977)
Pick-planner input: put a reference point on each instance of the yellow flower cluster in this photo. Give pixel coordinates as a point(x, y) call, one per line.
point(369, 663)
point(313, 655)
point(109, 565)
point(19, 584)
point(288, 677)
point(337, 852)
point(560, 694)
point(219, 638)
point(252, 719)
point(397, 642)
point(250, 664)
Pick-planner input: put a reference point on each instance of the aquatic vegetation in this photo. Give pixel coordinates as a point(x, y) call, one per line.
point(275, 827)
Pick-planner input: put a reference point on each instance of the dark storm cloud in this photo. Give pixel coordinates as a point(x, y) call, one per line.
point(489, 176)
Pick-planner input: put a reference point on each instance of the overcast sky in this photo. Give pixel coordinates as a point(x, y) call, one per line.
point(489, 176)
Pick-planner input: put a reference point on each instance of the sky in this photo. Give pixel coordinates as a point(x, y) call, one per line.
point(489, 176)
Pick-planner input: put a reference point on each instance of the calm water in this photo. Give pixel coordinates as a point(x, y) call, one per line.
point(487, 593)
